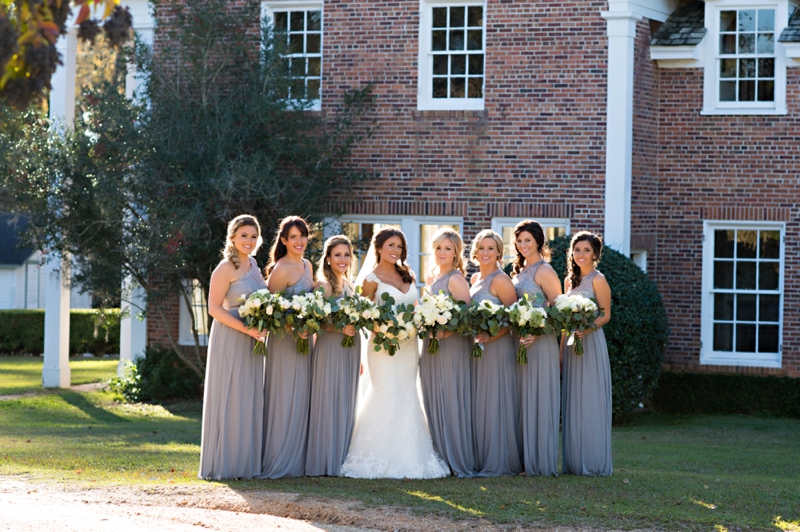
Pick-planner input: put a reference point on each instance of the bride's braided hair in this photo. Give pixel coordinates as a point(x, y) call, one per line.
point(380, 238)
point(573, 270)
point(243, 220)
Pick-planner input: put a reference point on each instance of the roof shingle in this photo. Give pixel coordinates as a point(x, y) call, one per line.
point(686, 26)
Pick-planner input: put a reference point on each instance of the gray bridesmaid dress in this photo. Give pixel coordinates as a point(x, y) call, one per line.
point(286, 399)
point(334, 385)
point(446, 395)
point(233, 395)
point(495, 400)
point(540, 389)
point(587, 401)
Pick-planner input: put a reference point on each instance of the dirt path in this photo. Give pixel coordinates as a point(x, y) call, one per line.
point(32, 506)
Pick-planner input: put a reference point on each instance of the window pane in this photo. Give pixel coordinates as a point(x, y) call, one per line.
point(746, 242)
point(766, 20)
point(766, 43)
point(768, 340)
point(747, 20)
point(747, 91)
point(475, 64)
point(297, 66)
point(747, 43)
point(475, 16)
point(456, 40)
point(769, 308)
point(746, 307)
point(440, 87)
point(315, 21)
point(298, 88)
point(723, 306)
point(723, 274)
point(745, 338)
point(439, 17)
point(457, 87)
point(314, 66)
point(439, 41)
point(723, 244)
point(458, 64)
point(296, 43)
point(727, 44)
point(440, 65)
point(770, 245)
point(350, 230)
point(457, 17)
point(727, 21)
point(475, 88)
point(296, 20)
point(474, 40)
point(281, 21)
point(508, 241)
point(746, 275)
point(723, 337)
point(727, 91)
point(313, 43)
point(768, 275)
point(766, 91)
point(727, 68)
point(313, 89)
point(747, 68)
point(766, 68)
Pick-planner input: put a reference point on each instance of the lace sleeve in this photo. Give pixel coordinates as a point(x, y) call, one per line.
point(371, 277)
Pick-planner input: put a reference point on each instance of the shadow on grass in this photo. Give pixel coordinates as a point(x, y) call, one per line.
point(96, 413)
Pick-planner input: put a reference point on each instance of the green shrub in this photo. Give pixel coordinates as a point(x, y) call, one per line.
point(637, 333)
point(158, 376)
point(706, 393)
point(93, 331)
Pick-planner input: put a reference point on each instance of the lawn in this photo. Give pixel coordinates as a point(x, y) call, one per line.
point(24, 374)
point(670, 472)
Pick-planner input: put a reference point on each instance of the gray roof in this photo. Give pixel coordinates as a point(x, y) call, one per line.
point(686, 26)
point(792, 31)
point(10, 227)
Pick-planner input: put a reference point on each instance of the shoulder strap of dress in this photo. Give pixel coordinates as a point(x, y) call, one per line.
point(372, 277)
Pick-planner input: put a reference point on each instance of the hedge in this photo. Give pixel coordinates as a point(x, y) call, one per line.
point(90, 331)
point(158, 376)
point(708, 393)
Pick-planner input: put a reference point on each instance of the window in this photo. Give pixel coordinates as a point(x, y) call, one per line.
point(553, 228)
point(302, 26)
point(199, 307)
point(452, 55)
point(742, 287)
point(746, 65)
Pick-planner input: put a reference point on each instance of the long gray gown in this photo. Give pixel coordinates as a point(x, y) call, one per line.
point(495, 400)
point(334, 387)
point(233, 396)
point(286, 400)
point(446, 395)
point(587, 401)
point(540, 389)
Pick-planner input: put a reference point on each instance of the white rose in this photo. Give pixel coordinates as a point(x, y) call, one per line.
point(269, 310)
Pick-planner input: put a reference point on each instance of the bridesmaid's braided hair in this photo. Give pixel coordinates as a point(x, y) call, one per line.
point(573, 270)
point(535, 229)
point(380, 238)
point(278, 249)
point(229, 251)
point(324, 270)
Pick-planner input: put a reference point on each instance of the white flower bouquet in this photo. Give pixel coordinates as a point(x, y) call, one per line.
point(353, 310)
point(264, 312)
point(307, 313)
point(526, 318)
point(395, 323)
point(574, 313)
point(484, 317)
point(438, 312)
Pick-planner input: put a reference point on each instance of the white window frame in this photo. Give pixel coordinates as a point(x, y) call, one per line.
point(410, 225)
point(711, 103)
point(425, 102)
point(268, 10)
point(731, 358)
point(639, 257)
point(185, 336)
point(499, 223)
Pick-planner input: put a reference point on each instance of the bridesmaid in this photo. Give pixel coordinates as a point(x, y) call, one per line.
point(233, 400)
point(540, 386)
point(587, 378)
point(445, 375)
point(334, 371)
point(495, 383)
point(287, 373)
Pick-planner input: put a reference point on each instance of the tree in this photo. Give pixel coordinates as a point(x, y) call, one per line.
point(145, 191)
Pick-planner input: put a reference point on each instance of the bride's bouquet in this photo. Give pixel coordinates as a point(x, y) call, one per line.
point(574, 313)
point(526, 318)
point(264, 312)
point(438, 312)
point(307, 312)
point(484, 317)
point(394, 323)
point(353, 310)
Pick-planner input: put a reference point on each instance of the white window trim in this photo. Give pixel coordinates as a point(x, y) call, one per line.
point(639, 257)
point(425, 63)
point(185, 336)
point(725, 358)
point(268, 10)
point(711, 105)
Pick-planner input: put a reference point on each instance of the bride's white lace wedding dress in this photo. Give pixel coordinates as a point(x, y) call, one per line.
point(391, 438)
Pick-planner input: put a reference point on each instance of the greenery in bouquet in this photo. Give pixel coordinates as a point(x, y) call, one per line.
point(438, 312)
point(526, 317)
point(307, 314)
point(574, 313)
point(484, 317)
point(395, 323)
point(266, 313)
point(353, 310)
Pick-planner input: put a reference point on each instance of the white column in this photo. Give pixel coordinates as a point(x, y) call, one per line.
point(133, 327)
point(55, 373)
point(619, 128)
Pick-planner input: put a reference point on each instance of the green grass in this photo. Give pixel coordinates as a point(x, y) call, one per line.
point(24, 374)
point(670, 472)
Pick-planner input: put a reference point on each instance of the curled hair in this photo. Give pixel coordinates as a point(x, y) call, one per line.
point(535, 229)
point(486, 233)
point(229, 251)
point(445, 233)
point(380, 238)
point(573, 270)
point(324, 270)
point(278, 249)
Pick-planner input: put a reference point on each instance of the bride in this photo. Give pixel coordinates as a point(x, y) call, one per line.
point(391, 438)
